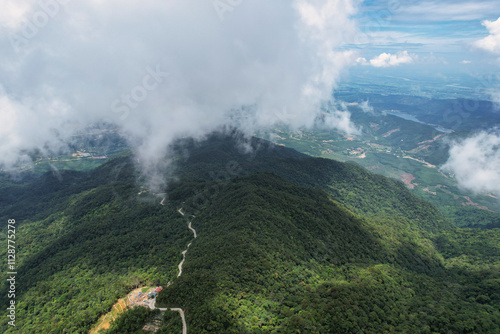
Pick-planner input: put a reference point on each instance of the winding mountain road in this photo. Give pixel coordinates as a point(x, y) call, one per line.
point(182, 262)
point(184, 325)
point(192, 229)
point(181, 311)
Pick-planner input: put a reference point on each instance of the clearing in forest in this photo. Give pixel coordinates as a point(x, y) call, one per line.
point(131, 300)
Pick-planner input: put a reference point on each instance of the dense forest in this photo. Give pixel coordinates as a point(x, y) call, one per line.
point(286, 244)
point(296, 261)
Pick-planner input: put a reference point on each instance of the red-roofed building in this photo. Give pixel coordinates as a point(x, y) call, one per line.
point(158, 289)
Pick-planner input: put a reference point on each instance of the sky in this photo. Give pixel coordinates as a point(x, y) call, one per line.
point(160, 70)
point(447, 28)
point(441, 37)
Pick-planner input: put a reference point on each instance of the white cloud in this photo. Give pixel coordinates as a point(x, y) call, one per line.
point(367, 108)
point(466, 62)
point(475, 162)
point(447, 11)
point(387, 59)
point(96, 60)
point(361, 60)
point(491, 43)
point(13, 12)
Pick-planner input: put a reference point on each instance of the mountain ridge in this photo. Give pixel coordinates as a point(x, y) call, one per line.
point(303, 233)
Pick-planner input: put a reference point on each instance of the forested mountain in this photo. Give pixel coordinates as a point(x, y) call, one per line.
point(291, 260)
point(353, 186)
point(404, 149)
point(285, 243)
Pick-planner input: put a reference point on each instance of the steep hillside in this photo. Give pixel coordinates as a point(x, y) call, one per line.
point(274, 257)
point(359, 190)
point(82, 242)
point(286, 243)
point(403, 150)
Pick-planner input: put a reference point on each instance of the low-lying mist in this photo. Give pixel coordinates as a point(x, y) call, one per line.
point(162, 70)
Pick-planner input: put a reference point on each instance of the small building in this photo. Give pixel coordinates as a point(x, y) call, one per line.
point(158, 289)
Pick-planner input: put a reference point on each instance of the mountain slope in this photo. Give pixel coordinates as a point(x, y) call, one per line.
point(274, 257)
point(89, 242)
point(286, 243)
point(359, 190)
